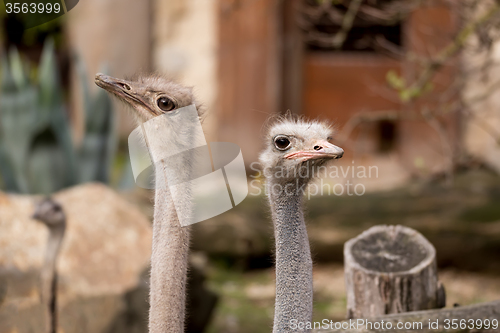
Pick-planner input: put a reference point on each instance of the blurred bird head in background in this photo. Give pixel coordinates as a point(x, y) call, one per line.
point(50, 213)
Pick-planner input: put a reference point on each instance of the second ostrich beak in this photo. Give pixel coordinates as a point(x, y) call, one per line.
point(322, 149)
point(129, 91)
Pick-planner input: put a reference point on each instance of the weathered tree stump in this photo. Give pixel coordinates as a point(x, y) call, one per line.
point(390, 269)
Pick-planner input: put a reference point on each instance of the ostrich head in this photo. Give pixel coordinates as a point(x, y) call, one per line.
point(150, 96)
point(295, 149)
point(50, 213)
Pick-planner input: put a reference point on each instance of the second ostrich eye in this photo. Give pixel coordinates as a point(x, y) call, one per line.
point(165, 104)
point(282, 143)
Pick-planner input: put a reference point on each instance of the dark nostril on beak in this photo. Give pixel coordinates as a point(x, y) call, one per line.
point(124, 86)
point(318, 147)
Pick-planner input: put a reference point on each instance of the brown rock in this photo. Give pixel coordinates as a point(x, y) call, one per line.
point(106, 247)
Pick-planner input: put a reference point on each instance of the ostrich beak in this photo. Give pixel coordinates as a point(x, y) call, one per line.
point(322, 149)
point(131, 92)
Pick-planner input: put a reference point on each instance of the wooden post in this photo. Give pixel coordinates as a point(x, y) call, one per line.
point(390, 269)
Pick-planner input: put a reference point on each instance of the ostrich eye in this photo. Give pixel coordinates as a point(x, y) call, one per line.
point(165, 104)
point(282, 142)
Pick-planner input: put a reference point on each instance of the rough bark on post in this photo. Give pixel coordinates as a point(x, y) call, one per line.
point(390, 269)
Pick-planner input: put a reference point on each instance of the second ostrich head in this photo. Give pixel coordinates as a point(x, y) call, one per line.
point(296, 148)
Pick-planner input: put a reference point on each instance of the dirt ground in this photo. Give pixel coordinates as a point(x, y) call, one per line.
point(462, 221)
point(246, 301)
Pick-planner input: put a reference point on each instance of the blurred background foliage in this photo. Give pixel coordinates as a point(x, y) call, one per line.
point(37, 150)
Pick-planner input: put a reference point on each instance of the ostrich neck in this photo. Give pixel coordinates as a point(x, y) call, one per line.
point(294, 290)
point(49, 278)
point(169, 260)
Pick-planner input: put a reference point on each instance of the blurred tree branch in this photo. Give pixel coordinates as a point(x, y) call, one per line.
point(423, 83)
point(339, 38)
point(346, 14)
point(328, 23)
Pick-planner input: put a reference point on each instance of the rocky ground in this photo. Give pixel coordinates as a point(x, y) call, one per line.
point(106, 246)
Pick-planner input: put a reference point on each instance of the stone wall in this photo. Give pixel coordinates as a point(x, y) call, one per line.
point(185, 47)
point(112, 33)
point(176, 37)
point(482, 92)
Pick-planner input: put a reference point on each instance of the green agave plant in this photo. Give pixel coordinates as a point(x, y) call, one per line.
point(37, 153)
